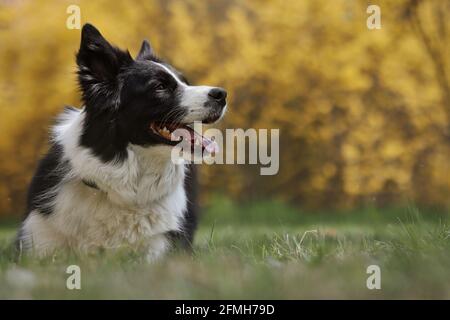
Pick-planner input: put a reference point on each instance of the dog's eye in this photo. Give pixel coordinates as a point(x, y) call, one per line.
point(160, 86)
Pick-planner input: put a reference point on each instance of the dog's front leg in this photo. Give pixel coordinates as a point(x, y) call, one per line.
point(157, 246)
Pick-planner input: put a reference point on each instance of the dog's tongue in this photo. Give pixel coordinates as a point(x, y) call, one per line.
point(209, 145)
point(197, 139)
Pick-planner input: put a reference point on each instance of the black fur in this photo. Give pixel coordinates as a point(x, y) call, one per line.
point(186, 237)
point(49, 173)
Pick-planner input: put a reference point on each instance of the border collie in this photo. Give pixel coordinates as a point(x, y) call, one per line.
point(108, 180)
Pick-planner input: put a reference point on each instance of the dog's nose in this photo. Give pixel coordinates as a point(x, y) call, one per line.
point(218, 94)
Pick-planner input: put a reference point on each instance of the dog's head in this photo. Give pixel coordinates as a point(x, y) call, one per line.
point(138, 101)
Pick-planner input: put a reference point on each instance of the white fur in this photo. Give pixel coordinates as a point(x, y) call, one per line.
point(138, 201)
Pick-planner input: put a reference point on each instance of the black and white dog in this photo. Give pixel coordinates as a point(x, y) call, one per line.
point(108, 180)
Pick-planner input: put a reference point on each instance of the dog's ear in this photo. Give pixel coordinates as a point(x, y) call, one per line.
point(97, 59)
point(146, 52)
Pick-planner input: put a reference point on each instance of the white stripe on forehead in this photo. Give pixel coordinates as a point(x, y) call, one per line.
point(171, 73)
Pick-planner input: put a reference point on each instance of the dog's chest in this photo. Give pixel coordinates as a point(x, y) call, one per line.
point(129, 208)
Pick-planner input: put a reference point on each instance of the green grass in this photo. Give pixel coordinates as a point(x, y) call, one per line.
point(261, 251)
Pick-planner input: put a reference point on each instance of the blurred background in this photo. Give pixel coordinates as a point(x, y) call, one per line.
point(364, 115)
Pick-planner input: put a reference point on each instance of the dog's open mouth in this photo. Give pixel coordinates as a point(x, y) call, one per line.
point(174, 134)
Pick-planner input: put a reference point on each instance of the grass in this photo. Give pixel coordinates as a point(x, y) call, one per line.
point(260, 251)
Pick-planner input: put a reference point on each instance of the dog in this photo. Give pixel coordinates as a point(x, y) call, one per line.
point(108, 180)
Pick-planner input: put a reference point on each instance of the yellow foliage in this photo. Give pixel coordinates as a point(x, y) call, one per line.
point(363, 113)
